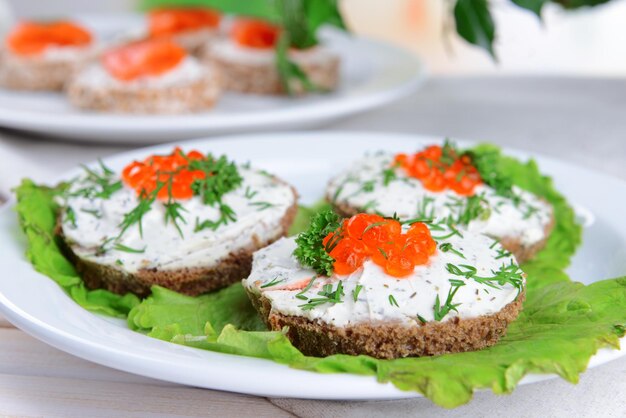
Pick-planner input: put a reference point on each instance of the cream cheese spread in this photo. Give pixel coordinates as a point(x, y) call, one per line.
point(363, 186)
point(383, 298)
point(259, 203)
point(187, 71)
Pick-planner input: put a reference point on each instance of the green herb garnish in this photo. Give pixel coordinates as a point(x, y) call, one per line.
point(440, 311)
point(310, 251)
point(274, 282)
point(122, 247)
point(327, 295)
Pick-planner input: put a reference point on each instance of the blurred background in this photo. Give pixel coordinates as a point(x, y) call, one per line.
point(584, 42)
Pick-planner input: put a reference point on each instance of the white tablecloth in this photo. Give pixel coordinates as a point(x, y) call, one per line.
point(578, 120)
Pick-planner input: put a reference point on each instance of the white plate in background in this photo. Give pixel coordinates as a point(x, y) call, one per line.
point(373, 74)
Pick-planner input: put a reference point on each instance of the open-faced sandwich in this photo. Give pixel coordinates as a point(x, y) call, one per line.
point(248, 62)
point(371, 285)
point(186, 221)
point(44, 55)
point(444, 184)
point(190, 27)
point(150, 76)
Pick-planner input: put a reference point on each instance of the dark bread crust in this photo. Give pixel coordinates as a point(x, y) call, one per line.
point(189, 281)
point(512, 244)
point(198, 95)
point(390, 340)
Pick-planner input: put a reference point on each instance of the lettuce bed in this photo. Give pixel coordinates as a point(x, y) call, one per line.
point(562, 325)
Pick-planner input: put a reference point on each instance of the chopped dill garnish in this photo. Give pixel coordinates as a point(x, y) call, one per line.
point(356, 291)
point(249, 193)
point(122, 247)
point(327, 295)
point(260, 206)
point(93, 212)
point(439, 310)
point(300, 295)
point(274, 282)
point(393, 301)
point(447, 247)
point(70, 215)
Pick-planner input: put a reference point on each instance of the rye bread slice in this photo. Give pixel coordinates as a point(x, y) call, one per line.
point(388, 340)
point(191, 281)
point(263, 78)
point(513, 244)
point(200, 94)
point(37, 73)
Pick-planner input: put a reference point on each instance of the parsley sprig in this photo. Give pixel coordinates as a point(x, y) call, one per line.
point(310, 251)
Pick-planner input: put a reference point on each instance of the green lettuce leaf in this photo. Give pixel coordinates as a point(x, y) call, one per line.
point(37, 212)
point(562, 325)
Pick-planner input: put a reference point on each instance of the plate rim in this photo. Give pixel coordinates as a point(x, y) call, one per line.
point(54, 336)
point(98, 126)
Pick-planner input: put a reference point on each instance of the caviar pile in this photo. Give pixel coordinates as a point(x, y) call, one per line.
point(440, 168)
point(170, 173)
point(144, 58)
point(366, 236)
point(32, 38)
point(167, 22)
point(254, 33)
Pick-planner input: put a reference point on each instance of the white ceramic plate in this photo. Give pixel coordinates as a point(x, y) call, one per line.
point(36, 304)
point(372, 74)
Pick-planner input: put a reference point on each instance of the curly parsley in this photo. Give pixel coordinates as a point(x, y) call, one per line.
point(311, 252)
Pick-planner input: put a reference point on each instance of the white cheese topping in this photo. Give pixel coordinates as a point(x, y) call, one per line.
point(362, 186)
point(228, 50)
point(69, 53)
point(187, 71)
point(98, 220)
point(275, 270)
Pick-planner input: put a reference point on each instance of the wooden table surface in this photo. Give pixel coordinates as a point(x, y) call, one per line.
point(39, 380)
point(577, 120)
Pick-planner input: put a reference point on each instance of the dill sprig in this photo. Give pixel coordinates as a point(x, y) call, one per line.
point(135, 216)
point(310, 251)
point(221, 177)
point(121, 247)
point(439, 310)
point(173, 209)
point(506, 274)
point(327, 295)
point(98, 184)
point(273, 282)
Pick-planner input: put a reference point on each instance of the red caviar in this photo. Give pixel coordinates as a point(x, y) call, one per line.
point(144, 58)
point(159, 170)
point(366, 236)
point(440, 168)
point(32, 38)
point(255, 33)
point(167, 22)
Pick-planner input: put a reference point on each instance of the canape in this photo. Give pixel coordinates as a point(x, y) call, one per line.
point(190, 27)
point(44, 55)
point(443, 183)
point(151, 76)
point(370, 285)
point(186, 221)
point(247, 60)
